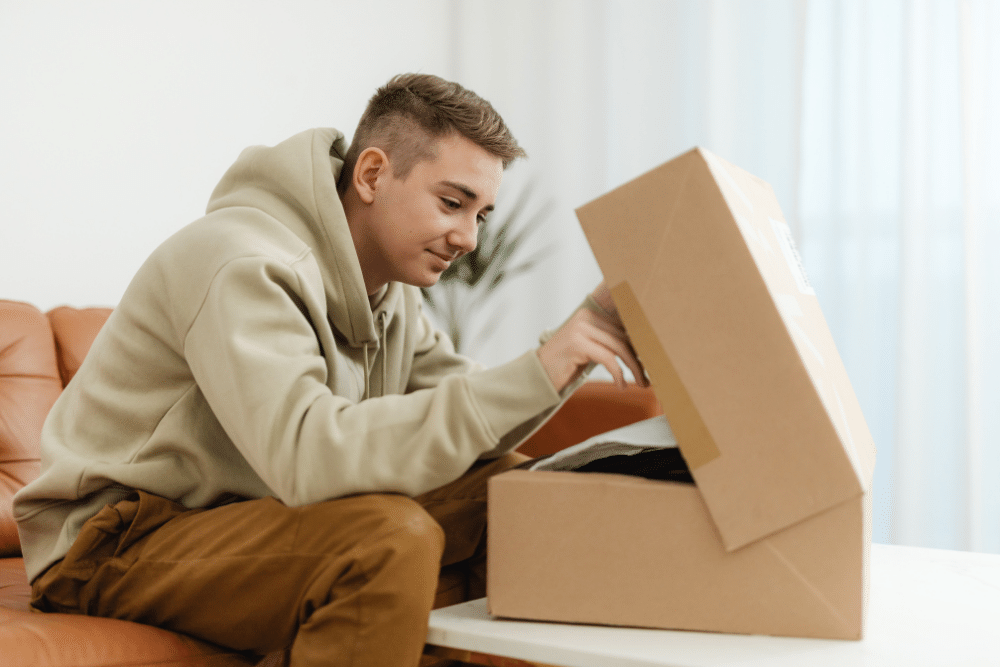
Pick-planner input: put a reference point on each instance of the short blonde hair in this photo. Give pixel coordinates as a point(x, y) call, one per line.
point(410, 112)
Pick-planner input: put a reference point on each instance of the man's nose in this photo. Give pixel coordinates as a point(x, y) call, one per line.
point(465, 235)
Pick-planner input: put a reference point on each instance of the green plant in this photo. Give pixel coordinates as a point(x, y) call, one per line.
point(467, 285)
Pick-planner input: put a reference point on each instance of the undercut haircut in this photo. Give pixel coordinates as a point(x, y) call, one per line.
point(407, 116)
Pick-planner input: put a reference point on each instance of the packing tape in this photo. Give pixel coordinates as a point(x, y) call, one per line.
point(695, 441)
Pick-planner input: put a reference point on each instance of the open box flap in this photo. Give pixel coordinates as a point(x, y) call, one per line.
point(709, 285)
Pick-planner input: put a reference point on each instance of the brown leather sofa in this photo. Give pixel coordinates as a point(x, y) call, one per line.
point(39, 354)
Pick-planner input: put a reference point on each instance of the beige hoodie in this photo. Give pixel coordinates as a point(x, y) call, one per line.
point(239, 363)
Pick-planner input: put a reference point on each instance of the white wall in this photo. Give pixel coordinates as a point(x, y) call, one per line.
point(118, 118)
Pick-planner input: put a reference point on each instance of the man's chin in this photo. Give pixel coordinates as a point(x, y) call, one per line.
point(423, 281)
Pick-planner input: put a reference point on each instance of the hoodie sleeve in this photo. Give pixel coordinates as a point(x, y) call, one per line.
point(256, 359)
point(436, 358)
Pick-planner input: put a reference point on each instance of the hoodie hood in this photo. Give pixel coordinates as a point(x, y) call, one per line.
point(295, 183)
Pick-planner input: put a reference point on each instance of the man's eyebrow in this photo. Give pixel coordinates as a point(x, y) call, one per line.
point(467, 191)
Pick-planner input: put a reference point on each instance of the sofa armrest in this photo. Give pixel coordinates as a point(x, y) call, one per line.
point(29, 385)
point(594, 408)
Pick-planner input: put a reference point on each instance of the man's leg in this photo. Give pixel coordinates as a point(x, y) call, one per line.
point(459, 507)
point(344, 582)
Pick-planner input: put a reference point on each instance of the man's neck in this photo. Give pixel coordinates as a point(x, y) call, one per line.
point(354, 212)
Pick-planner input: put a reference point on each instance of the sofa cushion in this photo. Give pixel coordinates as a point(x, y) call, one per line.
point(29, 385)
point(31, 639)
point(74, 330)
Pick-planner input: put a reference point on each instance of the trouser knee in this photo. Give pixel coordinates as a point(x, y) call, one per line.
point(409, 535)
point(394, 547)
point(368, 603)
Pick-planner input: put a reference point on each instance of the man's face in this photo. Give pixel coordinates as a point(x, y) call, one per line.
point(423, 222)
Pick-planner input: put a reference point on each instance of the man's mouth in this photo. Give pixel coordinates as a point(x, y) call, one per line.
point(446, 259)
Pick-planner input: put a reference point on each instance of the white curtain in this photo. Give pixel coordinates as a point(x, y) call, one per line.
point(877, 125)
point(900, 219)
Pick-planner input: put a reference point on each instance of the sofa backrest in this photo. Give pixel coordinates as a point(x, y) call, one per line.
point(74, 330)
point(39, 354)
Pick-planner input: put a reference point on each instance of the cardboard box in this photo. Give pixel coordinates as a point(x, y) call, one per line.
point(774, 536)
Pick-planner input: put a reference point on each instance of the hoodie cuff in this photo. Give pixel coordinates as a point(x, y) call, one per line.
point(512, 393)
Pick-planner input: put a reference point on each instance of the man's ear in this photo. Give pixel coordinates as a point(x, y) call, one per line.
point(372, 165)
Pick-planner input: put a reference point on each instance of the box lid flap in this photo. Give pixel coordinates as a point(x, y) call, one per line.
point(705, 275)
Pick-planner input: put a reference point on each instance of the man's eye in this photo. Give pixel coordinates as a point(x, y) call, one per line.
point(451, 203)
point(481, 218)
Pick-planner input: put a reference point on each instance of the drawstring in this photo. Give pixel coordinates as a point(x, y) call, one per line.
point(381, 333)
point(368, 368)
point(366, 372)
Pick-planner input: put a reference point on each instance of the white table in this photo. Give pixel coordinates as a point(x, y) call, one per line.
point(926, 607)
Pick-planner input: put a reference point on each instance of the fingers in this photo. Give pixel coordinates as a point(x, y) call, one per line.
point(593, 351)
point(602, 296)
point(589, 338)
point(611, 326)
point(619, 346)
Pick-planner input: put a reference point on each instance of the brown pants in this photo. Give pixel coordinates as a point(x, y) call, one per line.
point(349, 581)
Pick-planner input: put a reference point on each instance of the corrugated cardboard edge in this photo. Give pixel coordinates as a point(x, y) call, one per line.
point(694, 438)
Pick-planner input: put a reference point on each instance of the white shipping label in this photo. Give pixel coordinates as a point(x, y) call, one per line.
point(791, 253)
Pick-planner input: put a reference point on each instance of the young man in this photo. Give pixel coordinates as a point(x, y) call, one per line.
point(268, 445)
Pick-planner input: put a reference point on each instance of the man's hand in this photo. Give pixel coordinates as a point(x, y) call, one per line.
point(588, 337)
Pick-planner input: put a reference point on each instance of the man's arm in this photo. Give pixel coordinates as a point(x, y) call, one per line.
point(592, 334)
point(256, 359)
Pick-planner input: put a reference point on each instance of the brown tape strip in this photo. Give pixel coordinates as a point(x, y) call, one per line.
point(695, 441)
